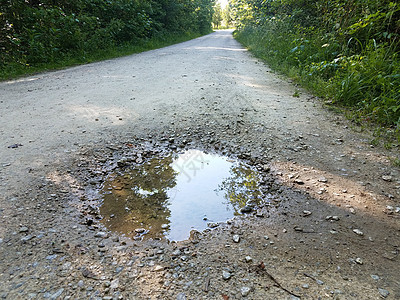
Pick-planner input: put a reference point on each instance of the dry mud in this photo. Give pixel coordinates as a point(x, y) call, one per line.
point(330, 228)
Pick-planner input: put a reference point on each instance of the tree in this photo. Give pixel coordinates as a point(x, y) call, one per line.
point(217, 16)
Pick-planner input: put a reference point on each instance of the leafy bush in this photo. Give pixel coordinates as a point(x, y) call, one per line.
point(39, 32)
point(347, 51)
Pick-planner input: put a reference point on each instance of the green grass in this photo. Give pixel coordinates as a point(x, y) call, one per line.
point(363, 86)
point(15, 70)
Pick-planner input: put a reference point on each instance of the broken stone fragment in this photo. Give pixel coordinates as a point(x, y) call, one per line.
point(236, 238)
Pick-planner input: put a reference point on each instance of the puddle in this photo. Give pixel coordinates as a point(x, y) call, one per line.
point(168, 197)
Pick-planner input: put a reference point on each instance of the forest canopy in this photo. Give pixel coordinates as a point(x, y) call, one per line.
point(42, 31)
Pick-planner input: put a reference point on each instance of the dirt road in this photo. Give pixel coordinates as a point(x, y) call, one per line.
point(332, 229)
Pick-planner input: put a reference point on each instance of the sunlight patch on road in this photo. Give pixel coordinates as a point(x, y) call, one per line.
point(113, 115)
point(218, 48)
point(331, 188)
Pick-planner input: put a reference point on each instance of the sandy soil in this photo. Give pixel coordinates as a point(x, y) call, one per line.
point(332, 228)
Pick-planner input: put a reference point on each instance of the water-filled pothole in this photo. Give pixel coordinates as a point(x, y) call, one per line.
point(167, 197)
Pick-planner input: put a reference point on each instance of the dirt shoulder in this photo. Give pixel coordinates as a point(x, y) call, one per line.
point(331, 230)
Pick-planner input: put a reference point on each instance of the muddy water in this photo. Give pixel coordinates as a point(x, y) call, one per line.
point(169, 196)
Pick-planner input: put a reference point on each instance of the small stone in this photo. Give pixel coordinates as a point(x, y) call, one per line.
point(387, 178)
point(319, 282)
point(305, 286)
point(375, 277)
point(226, 275)
point(57, 294)
point(23, 229)
point(299, 181)
point(140, 230)
point(236, 238)
point(323, 179)
point(266, 237)
point(107, 283)
point(114, 284)
point(177, 252)
point(101, 234)
point(158, 268)
point(297, 228)
point(306, 213)
point(212, 225)
point(246, 209)
point(181, 296)
point(384, 293)
point(358, 231)
point(164, 226)
point(81, 284)
point(359, 261)
point(27, 238)
point(51, 257)
point(248, 259)
point(245, 291)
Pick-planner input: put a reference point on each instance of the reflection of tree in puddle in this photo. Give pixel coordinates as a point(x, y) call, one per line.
point(138, 198)
point(241, 187)
point(177, 191)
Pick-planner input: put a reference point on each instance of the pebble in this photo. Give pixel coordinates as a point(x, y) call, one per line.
point(101, 234)
point(158, 268)
point(226, 275)
point(57, 294)
point(359, 261)
point(114, 284)
point(246, 209)
point(177, 252)
point(375, 277)
point(27, 238)
point(24, 229)
point(181, 296)
point(245, 291)
point(107, 283)
point(212, 225)
point(140, 230)
point(236, 238)
point(248, 259)
point(305, 286)
point(323, 179)
point(266, 237)
point(306, 213)
point(387, 178)
point(358, 231)
point(384, 293)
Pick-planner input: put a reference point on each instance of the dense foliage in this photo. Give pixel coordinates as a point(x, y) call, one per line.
point(347, 51)
point(222, 16)
point(42, 31)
